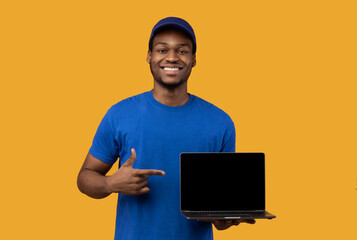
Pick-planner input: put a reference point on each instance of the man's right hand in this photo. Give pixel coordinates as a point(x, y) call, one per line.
point(130, 181)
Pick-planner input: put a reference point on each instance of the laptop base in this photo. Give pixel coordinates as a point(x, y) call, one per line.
point(211, 215)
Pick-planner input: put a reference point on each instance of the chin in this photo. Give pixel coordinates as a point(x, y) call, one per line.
point(170, 84)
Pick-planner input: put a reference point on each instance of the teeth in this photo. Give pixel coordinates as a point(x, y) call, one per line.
point(171, 69)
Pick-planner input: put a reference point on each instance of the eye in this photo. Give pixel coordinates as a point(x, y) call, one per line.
point(182, 52)
point(161, 51)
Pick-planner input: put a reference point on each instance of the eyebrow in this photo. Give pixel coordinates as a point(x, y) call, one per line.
point(180, 44)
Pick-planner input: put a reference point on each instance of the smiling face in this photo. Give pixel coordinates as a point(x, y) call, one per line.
point(171, 58)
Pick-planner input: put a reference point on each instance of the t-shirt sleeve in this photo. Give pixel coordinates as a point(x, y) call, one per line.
point(229, 139)
point(105, 146)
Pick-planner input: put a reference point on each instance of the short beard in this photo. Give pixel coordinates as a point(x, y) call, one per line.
point(170, 86)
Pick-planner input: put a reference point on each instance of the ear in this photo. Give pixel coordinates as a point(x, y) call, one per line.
point(194, 60)
point(148, 58)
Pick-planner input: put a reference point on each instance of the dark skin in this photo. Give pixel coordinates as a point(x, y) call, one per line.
point(171, 61)
point(92, 179)
point(225, 224)
point(171, 50)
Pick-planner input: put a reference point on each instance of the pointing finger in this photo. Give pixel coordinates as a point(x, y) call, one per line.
point(149, 172)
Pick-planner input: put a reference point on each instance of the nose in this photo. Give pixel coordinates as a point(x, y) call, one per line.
point(171, 56)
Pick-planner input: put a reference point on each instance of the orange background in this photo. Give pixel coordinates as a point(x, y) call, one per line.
point(285, 71)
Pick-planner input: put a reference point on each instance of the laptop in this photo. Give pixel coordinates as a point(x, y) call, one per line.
point(223, 186)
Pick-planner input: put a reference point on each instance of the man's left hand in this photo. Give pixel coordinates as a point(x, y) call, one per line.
point(225, 224)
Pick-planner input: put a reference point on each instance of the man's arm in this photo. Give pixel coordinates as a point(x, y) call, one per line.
point(127, 180)
point(91, 178)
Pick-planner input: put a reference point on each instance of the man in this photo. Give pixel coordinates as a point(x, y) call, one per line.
point(147, 133)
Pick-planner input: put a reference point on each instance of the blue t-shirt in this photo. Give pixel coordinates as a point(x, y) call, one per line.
point(159, 133)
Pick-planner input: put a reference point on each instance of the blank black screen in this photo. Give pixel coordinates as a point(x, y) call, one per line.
point(222, 181)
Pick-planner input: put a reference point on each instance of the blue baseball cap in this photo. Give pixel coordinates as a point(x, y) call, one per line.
point(175, 23)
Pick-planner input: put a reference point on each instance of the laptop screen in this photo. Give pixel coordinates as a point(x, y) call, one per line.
point(222, 181)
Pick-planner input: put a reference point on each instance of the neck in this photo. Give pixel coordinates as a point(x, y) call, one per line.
point(171, 97)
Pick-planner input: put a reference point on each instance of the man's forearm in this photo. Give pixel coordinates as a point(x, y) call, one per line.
point(92, 184)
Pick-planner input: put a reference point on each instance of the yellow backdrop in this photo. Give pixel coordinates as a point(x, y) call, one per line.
point(285, 71)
